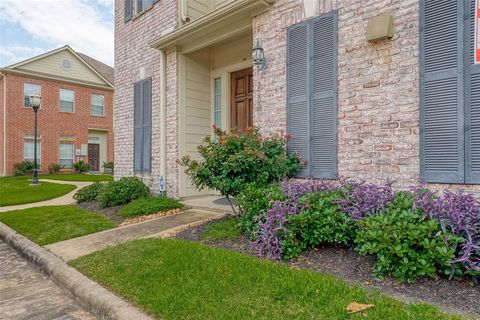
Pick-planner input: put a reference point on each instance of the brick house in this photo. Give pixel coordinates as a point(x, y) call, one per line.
point(369, 89)
point(75, 120)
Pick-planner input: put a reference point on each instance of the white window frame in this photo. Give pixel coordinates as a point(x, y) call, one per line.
point(60, 153)
point(27, 91)
point(73, 100)
point(97, 105)
point(217, 102)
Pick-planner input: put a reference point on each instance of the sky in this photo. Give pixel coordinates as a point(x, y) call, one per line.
point(32, 27)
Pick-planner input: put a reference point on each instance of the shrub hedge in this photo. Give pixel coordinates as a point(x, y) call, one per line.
point(411, 233)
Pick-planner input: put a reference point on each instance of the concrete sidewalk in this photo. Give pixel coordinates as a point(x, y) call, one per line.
point(60, 201)
point(77, 247)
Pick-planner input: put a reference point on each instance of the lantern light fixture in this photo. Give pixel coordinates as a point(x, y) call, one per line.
point(258, 55)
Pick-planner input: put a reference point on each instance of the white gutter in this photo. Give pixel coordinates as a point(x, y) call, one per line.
point(163, 120)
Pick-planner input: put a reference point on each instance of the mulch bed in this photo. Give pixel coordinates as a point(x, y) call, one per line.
point(460, 296)
point(109, 213)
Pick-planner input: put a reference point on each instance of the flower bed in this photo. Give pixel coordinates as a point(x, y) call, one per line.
point(411, 233)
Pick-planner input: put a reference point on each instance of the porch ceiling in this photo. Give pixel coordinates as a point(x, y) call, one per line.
point(226, 22)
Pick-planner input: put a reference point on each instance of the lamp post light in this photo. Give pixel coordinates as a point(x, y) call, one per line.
point(35, 101)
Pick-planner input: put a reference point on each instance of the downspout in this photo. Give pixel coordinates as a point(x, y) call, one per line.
point(163, 113)
point(183, 11)
point(4, 124)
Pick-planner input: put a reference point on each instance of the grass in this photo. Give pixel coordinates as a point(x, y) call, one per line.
point(223, 229)
point(17, 190)
point(78, 177)
point(149, 205)
point(173, 279)
point(45, 225)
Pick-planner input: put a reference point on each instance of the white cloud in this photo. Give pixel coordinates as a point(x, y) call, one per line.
point(62, 22)
point(18, 53)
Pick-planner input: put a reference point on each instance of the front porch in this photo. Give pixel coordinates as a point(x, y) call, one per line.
point(215, 76)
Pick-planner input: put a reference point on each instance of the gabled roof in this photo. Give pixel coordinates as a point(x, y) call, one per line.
point(98, 70)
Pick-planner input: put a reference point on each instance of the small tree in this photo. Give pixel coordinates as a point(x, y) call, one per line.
point(230, 160)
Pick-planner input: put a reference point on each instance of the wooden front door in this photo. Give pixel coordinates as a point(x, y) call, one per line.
point(94, 156)
point(241, 109)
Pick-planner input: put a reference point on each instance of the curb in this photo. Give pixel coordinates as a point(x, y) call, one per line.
point(95, 298)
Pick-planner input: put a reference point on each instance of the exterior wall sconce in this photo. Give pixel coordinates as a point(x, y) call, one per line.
point(258, 56)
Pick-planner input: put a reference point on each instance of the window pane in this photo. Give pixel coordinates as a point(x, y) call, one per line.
point(28, 151)
point(28, 89)
point(66, 155)
point(67, 98)
point(98, 103)
point(218, 102)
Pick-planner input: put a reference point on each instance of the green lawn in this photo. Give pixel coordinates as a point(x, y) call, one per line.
point(149, 205)
point(45, 225)
point(17, 190)
point(173, 279)
point(223, 229)
point(78, 177)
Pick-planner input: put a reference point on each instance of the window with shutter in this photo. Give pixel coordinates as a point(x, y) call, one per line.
point(312, 94)
point(128, 10)
point(142, 126)
point(449, 93)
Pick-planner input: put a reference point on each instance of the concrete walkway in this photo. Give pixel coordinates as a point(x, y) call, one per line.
point(60, 201)
point(77, 247)
point(25, 293)
point(211, 203)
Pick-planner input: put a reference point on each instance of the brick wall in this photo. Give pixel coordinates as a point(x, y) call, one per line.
point(378, 91)
point(51, 122)
point(134, 61)
point(2, 81)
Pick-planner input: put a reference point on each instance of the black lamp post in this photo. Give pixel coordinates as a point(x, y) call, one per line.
point(35, 101)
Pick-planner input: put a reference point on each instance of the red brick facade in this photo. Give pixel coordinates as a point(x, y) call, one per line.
point(52, 123)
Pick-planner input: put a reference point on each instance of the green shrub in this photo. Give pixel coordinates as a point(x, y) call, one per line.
point(150, 205)
point(22, 168)
point(254, 201)
point(233, 159)
point(54, 168)
point(320, 222)
point(89, 193)
point(81, 167)
point(122, 191)
point(223, 229)
point(406, 246)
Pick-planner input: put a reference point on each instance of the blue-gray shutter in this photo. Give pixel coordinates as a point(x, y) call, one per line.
point(138, 127)
point(147, 125)
point(442, 91)
point(128, 10)
point(312, 94)
point(323, 112)
point(298, 80)
point(472, 100)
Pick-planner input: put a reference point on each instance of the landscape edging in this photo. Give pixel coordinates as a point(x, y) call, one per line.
point(95, 298)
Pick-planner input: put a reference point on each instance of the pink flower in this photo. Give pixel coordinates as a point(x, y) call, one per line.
point(214, 126)
point(287, 135)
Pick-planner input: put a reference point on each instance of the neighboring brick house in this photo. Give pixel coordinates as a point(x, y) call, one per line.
point(75, 119)
point(403, 108)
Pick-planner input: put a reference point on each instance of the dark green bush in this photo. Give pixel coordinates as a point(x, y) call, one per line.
point(108, 167)
point(149, 205)
point(81, 167)
point(122, 191)
point(254, 201)
point(22, 168)
point(54, 168)
point(321, 222)
point(89, 193)
point(405, 245)
point(236, 158)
